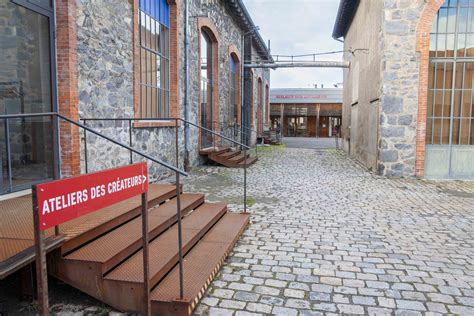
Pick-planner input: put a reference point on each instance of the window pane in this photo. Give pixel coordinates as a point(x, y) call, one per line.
point(445, 129)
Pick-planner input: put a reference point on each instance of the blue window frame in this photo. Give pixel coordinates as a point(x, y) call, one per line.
point(154, 58)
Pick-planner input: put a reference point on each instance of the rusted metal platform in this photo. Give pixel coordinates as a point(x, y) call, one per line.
point(228, 157)
point(16, 226)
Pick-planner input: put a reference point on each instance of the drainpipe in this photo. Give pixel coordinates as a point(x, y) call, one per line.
point(186, 85)
point(242, 88)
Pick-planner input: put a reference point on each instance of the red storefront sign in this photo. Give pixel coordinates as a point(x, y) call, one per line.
point(63, 200)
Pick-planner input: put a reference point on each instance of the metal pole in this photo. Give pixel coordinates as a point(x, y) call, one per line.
point(186, 85)
point(146, 253)
point(9, 155)
point(85, 149)
point(245, 180)
point(130, 139)
point(178, 205)
point(41, 272)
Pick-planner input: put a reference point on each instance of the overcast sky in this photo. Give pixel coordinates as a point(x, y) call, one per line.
point(299, 27)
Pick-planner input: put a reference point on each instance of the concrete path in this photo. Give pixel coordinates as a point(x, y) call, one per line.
point(311, 142)
point(328, 237)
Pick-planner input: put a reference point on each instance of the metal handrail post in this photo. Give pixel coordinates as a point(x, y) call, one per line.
point(245, 180)
point(86, 164)
point(9, 155)
point(178, 214)
point(130, 138)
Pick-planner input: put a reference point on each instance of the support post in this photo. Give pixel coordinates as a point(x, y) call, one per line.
point(86, 164)
point(41, 271)
point(146, 253)
point(178, 214)
point(245, 180)
point(130, 139)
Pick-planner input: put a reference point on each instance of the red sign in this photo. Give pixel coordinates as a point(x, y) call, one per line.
point(63, 200)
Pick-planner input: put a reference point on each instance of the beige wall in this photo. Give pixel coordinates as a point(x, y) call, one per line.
point(362, 87)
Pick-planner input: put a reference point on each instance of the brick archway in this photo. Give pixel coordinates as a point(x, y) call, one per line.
point(206, 25)
point(422, 47)
point(235, 54)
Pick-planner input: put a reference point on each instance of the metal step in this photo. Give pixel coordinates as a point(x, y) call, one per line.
point(250, 161)
point(112, 248)
point(228, 155)
point(89, 227)
point(214, 150)
point(123, 287)
point(201, 264)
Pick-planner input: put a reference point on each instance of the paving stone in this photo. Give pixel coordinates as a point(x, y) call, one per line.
point(328, 307)
point(351, 309)
point(260, 308)
point(319, 296)
point(410, 305)
point(297, 303)
point(267, 290)
point(436, 307)
point(278, 310)
point(246, 296)
point(232, 304)
point(363, 300)
point(271, 300)
point(294, 293)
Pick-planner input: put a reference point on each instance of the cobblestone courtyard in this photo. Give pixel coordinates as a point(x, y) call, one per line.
point(327, 236)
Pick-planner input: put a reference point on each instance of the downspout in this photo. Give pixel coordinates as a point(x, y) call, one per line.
point(242, 89)
point(186, 85)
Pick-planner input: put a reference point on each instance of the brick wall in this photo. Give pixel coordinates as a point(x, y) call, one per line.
point(422, 46)
point(66, 51)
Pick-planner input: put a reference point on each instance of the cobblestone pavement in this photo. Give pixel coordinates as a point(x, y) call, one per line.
point(328, 237)
point(311, 142)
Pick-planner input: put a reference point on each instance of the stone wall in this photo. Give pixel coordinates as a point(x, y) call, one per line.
point(400, 75)
point(105, 60)
point(105, 82)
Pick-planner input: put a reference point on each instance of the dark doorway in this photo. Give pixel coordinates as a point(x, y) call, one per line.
point(27, 148)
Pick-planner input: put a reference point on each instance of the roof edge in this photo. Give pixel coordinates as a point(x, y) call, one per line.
point(345, 15)
point(247, 24)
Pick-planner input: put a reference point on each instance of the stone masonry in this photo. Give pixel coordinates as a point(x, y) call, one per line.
point(399, 95)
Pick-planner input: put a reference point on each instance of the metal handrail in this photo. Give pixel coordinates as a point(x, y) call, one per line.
point(65, 118)
point(177, 171)
point(176, 120)
point(235, 125)
point(169, 119)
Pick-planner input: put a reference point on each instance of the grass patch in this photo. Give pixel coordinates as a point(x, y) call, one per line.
point(251, 201)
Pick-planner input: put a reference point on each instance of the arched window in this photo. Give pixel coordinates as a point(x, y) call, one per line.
point(450, 112)
point(234, 110)
point(154, 24)
point(206, 56)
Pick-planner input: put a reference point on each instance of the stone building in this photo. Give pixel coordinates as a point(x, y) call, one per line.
point(306, 112)
point(407, 108)
point(123, 59)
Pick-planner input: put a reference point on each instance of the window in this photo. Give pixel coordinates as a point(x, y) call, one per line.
point(234, 103)
point(206, 88)
point(450, 115)
point(154, 58)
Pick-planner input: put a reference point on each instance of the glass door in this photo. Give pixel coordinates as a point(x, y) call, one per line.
point(26, 86)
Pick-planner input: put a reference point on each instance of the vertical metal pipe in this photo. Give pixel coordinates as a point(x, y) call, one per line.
point(9, 155)
point(178, 214)
point(130, 139)
point(40, 252)
point(146, 253)
point(245, 180)
point(186, 85)
point(86, 164)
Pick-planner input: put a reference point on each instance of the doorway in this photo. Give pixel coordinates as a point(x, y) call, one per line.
point(27, 71)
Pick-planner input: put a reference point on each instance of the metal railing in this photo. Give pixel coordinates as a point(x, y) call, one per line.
point(216, 137)
point(56, 118)
point(236, 131)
